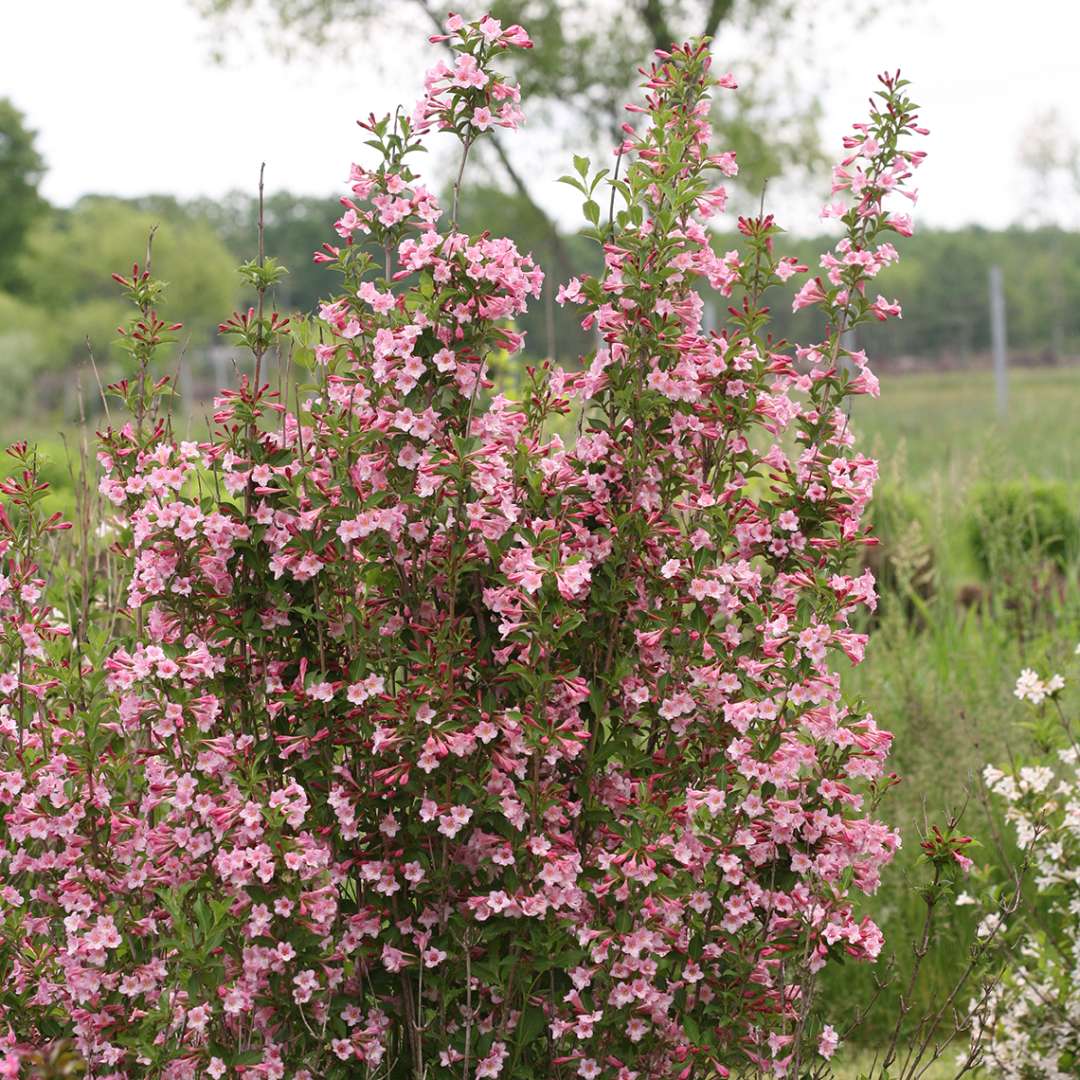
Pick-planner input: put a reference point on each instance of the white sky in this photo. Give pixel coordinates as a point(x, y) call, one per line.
point(127, 100)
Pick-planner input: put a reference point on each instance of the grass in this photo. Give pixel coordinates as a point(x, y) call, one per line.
point(851, 1064)
point(944, 679)
point(939, 674)
point(944, 429)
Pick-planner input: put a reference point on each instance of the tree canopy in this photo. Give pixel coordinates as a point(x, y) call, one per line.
point(583, 66)
point(67, 295)
point(21, 171)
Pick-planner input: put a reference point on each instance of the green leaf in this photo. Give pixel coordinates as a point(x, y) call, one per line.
point(690, 1026)
point(248, 1057)
point(530, 1025)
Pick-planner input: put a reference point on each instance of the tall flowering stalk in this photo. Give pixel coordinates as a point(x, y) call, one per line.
point(428, 745)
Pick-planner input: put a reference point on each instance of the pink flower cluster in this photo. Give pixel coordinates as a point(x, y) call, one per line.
point(400, 734)
point(468, 96)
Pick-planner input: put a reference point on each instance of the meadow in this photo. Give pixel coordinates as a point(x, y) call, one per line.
point(941, 432)
point(939, 671)
point(941, 681)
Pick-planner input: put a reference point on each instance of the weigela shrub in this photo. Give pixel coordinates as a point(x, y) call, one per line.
point(396, 735)
point(1030, 1025)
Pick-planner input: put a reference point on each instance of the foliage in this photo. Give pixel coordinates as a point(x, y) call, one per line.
point(936, 682)
point(393, 737)
point(904, 563)
point(21, 171)
point(103, 232)
point(1032, 517)
point(23, 329)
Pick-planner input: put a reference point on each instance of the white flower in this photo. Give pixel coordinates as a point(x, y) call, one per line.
point(1036, 779)
point(1030, 687)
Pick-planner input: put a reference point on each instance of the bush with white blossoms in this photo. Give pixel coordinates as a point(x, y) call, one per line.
point(1031, 1025)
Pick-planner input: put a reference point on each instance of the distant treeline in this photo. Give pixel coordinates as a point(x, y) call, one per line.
point(942, 283)
point(941, 279)
point(64, 297)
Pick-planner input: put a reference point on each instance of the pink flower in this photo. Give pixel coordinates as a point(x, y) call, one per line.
point(828, 1042)
point(491, 1065)
point(881, 309)
point(451, 824)
point(571, 291)
point(490, 28)
point(393, 959)
point(965, 863)
point(198, 1017)
point(321, 691)
point(516, 36)
point(468, 74)
point(811, 293)
point(572, 579)
point(902, 224)
point(445, 360)
point(343, 1049)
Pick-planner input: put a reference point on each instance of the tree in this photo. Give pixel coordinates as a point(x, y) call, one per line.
point(21, 171)
point(73, 294)
point(583, 66)
point(1050, 159)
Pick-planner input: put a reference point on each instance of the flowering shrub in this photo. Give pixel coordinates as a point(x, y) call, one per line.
point(394, 737)
point(1031, 1026)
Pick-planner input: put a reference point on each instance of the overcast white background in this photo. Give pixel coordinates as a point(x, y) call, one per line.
point(126, 98)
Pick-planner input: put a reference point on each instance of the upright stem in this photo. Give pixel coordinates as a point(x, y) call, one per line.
point(140, 401)
point(919, 951)
point(465, 145)
point(262, 261)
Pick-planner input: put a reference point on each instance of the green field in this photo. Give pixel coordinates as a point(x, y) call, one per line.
point(941, 677)
point(939, 434)
point(948, 676)
point(944, 429)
